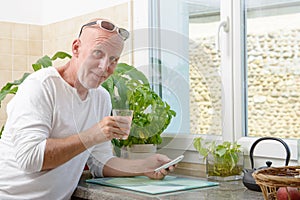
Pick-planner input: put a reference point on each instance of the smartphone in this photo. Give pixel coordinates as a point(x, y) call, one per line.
point(172, 162)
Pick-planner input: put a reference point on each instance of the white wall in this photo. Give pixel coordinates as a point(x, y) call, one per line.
point(41, 12)
point(21, 11)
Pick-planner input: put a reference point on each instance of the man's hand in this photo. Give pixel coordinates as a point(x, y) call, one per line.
point(114, 127)
point(108, 128)
point(139, 167)
point(155, 161)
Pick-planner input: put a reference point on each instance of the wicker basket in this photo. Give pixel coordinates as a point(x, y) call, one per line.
point(270, 179)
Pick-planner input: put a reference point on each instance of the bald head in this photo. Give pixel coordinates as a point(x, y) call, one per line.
point(105, 25)
point(92, 34)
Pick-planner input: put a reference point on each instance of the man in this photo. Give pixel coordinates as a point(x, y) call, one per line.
point(60, 119)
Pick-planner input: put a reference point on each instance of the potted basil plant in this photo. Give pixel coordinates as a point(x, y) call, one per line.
point(224, 162)
point(129, 88)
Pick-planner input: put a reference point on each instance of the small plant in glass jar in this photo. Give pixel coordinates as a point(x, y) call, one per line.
point(224, 161)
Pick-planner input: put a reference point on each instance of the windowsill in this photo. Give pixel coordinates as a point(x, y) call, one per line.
point(175, 145)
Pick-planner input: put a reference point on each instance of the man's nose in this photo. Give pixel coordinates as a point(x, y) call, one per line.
point(104, 64)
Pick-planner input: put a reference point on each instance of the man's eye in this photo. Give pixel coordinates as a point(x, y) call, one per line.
point(114, 62)
point(97, 54)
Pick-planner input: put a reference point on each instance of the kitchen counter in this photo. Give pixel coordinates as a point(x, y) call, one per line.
point(226, 190)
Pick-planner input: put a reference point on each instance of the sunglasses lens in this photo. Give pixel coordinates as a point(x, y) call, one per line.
point(124, 33)
point(107, 25)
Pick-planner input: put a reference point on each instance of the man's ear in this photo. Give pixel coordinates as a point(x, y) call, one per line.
point(75, 47)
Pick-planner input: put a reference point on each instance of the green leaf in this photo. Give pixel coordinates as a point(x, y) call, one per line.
point(46, 61)
point(197, 142)
point(11, 87)
point(220, 151)
point(61, 55)
point(36, 67)
point(122, 90)
point(43, 62)
point(134, 74)
point(122, 68)
point(109, 85)
point(116, 142)
point(1, 131)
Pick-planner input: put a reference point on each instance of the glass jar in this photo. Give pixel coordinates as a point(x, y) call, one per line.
point(228, 167)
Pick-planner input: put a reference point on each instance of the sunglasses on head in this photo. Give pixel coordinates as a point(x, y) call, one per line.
point(108, 26)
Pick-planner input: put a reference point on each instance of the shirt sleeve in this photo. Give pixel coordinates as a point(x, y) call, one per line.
point(103, 152)
point(99, 156)
point(29, 123)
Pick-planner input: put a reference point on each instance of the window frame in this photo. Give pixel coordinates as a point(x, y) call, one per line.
point(240, 96)
point(233, 100)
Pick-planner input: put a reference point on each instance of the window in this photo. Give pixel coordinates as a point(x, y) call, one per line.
point(273, 68)
point(271, 77)
point(250, 88)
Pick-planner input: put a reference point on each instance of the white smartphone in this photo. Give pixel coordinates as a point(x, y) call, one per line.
point(172, 162)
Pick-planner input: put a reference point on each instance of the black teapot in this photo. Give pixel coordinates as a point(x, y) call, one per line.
point(248, 179)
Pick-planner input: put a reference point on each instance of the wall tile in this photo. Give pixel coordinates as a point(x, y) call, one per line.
point(47, 32)
point(64, 43)
point(20, 31)
point(5, 30)
point(49, 47)
point(20, 47)
point(35, 32)
point(68, 28)
point(5, 46)
point(3, 114)
point(2, 122)
point(6, 62)
point(20, 62)
point(5, 76)
point(35, 48)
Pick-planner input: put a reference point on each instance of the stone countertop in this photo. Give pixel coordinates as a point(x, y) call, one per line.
point(226, 191)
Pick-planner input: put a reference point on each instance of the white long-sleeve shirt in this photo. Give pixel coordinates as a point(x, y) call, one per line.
point(46, 106)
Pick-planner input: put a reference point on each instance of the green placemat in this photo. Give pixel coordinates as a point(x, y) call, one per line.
point(149, 186)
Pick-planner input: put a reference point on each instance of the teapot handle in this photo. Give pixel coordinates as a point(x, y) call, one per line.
point(288, 153)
